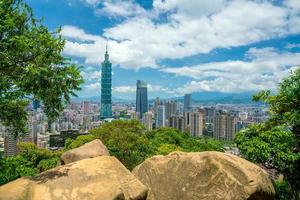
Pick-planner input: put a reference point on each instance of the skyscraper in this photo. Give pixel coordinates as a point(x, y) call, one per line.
point(106, 110)
point(187, 102)
point(141, 98)
point(161, 116)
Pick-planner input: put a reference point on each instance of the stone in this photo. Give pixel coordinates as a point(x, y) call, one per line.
point(88, 150)
point(204, 175)
point(99, 178)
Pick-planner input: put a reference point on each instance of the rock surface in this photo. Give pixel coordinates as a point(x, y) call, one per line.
point(88, 150)
point(100, 178)
point(203, 175)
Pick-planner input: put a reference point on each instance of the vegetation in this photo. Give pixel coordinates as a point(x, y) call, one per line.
point(31, 161)
point(31, 67)
point(276, 142)
point(132, 144)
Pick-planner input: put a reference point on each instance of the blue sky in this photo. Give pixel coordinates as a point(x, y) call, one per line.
point(178, 46)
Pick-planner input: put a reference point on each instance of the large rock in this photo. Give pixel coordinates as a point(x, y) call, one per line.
point(88, 150)
point(100, 178)
point(204, 175)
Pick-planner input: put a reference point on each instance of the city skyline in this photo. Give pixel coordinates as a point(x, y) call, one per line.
point(175, 49)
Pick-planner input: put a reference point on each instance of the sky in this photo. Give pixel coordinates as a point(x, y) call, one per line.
point(178, 46)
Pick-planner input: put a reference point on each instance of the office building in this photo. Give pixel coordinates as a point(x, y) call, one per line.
point(161, 116)
point(106, 108)
point(187, 104)
point(141, 98)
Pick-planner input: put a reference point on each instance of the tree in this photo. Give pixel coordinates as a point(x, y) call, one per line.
point(276, 142)
point(125, 140)
point(31, 66)
point(31, 161)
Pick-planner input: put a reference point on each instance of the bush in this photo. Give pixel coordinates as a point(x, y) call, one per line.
point(31, 161)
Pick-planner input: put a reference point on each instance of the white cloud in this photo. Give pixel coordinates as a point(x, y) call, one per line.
point(117, 8)
point(124, 89)
point(75, 33)
point(265, 69)
point(91, 75)
point(292, 45)
point(93, 86)
point(191, 27)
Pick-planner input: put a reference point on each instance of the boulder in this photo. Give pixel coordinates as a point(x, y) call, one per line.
point(88, 150)
point(204, 175)
point(99, 178)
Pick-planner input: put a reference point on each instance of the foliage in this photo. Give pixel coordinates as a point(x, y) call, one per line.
point(29, 162)
point(31, 66)
point(276, 142)
point(182, 141)
point(283, 191)
point(80, 140)
point(125, 140)
point(132, 144)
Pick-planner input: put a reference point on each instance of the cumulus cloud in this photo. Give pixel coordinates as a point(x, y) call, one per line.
point(93, 86)
point(191, 27)
point(72, 32)
point(267, 66)
point(91, 75)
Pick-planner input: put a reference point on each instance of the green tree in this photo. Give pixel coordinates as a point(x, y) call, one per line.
point(276, 142)
point(31, 66)
point(31, 161)
point(125, 140)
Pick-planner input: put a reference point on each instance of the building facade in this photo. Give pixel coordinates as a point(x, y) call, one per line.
point(106, 78)
point(141, 98)
point(161, 116)
point(187, 104)
point(196, 129)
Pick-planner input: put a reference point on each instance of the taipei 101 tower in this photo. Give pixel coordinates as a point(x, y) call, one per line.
point(106, 111)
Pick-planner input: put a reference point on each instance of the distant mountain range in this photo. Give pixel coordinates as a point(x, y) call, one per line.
point(198, 97)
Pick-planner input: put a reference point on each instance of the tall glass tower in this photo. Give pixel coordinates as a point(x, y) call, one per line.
point(141, 98)
point(106, 111)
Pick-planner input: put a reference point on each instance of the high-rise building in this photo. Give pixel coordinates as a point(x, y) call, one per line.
point(177, 121)
point(106, 108)
point(141, 98)
point(156, 104)
point(231, 122)
point(197, 124)
point(187, 121)
point(187, 104)
point(86, 107)
point(147, 120)
point(225, 125)
point(171, 108)
point(10, 145)
point(161, 116)
point(209, 114)
point(220, 125)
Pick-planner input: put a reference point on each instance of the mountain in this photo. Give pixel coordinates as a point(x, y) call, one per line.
point(219, 97)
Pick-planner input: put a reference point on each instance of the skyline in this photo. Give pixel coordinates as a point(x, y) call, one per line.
point(178, 47)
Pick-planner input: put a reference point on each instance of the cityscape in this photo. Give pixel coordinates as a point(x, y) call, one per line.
point(219, 121)
point(150, 99)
